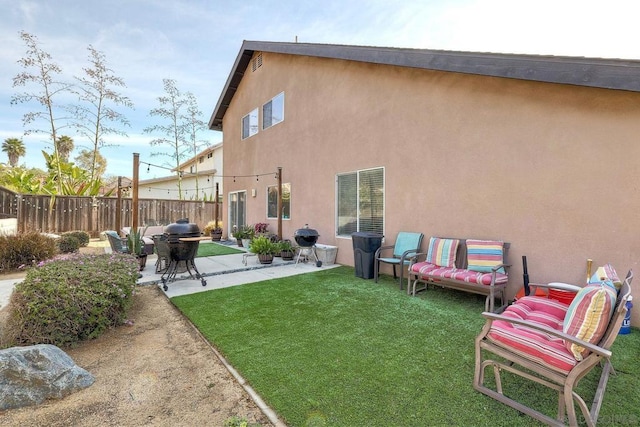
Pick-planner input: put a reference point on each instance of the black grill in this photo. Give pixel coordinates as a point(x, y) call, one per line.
point(306, 237)
point(181, 251)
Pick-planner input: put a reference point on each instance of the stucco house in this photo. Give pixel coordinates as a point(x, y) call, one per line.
point(199, 177)
point(539, 151)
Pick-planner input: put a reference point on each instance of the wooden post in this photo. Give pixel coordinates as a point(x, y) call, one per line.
point(280, 203)
point(119, 207)
point(215, 207)
point(134, 190)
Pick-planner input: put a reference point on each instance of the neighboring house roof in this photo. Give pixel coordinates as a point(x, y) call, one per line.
point(173, 177)
point(616, 74)
point(194, 159)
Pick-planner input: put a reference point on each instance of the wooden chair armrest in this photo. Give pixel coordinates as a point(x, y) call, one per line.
point(591, 347)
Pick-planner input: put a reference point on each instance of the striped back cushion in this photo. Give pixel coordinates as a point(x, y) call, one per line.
point(483, 255)
point(442, 252)
point(606, 273)
point(588, 316)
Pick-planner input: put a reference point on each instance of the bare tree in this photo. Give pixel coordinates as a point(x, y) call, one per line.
point(41, 72)
point(97, 118)
point(193, 124)
point(173, 130)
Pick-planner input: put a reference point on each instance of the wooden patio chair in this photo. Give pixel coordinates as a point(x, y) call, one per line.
point(118, 244)
point(534, 348)
point(407, 244)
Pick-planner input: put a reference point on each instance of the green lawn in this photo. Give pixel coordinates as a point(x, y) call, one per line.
point(213, 249)
point(327, 348)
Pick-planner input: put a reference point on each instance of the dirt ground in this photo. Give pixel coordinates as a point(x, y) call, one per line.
point(157, 372)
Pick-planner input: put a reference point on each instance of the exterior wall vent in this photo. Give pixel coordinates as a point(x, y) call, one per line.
point(256, 62)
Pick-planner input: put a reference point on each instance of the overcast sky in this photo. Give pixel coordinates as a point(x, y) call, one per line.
point(195, 42)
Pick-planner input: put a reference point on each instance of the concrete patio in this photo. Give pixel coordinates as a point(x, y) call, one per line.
point(218, 271)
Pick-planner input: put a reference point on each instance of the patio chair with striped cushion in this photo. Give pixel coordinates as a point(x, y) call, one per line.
point(556, 345)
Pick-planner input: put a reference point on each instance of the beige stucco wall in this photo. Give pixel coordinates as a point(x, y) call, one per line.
point(552, 169)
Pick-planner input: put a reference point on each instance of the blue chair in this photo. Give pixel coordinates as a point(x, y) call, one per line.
point(406, 245)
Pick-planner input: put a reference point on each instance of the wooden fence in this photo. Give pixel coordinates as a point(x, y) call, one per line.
point(96, 214)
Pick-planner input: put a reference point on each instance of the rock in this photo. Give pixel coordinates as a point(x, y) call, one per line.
point(30, 375)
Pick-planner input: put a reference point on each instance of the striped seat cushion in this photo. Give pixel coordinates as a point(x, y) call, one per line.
point(478, 277)
point(424, 269)
point(532, 344)
point(429, 269)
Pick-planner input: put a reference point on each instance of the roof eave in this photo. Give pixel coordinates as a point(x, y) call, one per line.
point(615, 74)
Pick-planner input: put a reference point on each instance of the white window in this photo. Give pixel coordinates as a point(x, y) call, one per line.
point(360, 202)
point(272, 201)
point(273, 111)
point(250, 124)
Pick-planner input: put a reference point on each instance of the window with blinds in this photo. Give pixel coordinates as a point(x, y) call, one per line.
point(360, 202)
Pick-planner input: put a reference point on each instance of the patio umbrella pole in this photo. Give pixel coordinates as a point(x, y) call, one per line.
point(525, 275)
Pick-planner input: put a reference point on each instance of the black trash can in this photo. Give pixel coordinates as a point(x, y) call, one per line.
point(365, 245)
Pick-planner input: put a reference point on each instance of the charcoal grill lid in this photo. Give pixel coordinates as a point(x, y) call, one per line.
point(306, 232)
point(182, 226)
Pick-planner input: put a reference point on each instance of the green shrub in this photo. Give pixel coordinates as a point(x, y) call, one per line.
point(24, 250)
point(82, 236)
point(68, 243)
point(71, 298)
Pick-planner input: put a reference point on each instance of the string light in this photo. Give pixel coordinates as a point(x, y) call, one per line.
point(186, 173)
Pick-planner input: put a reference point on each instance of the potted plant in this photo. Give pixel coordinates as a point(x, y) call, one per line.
point(260, 228)
point(264, 248)
point(248, 233)
point(243, 235)
point(214, 230)
point(135, 244)
point(287, 250)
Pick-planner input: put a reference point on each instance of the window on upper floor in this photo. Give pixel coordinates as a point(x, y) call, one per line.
point(272, 201)
point(273, 111)
point(250, 124)
point(360, 202)
point(201, 159)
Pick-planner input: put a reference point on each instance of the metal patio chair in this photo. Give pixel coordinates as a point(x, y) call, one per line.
point(118, 244)
point(407, 244)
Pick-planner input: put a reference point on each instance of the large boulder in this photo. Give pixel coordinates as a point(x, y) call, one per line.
point(30, 375)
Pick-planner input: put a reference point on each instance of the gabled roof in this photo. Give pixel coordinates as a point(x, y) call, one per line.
point(204, 152)
point(616, 74)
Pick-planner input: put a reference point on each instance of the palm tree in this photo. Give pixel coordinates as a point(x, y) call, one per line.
point(65, 145)
point(14, 147)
